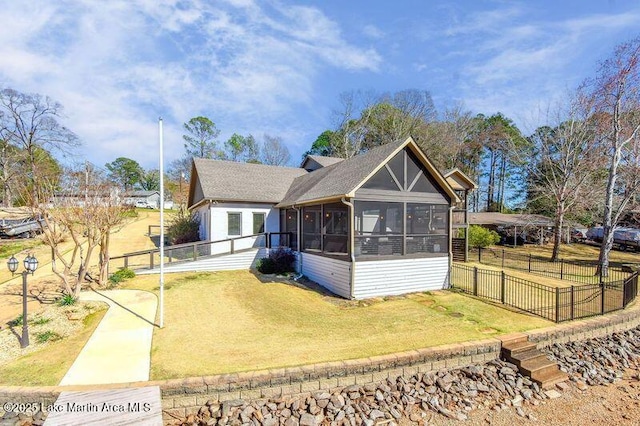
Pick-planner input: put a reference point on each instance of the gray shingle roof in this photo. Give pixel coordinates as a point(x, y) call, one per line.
point(503, 219)
point(345, 176)
point(232, 181)
point(322, 160)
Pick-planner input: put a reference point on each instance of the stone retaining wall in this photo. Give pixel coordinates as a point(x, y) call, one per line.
point(181, 397)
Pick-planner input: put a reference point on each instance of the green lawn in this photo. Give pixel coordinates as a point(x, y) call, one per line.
point(231, 321)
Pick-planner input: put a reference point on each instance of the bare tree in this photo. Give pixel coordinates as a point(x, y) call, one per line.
point(11, 168)
point(84, 208)
point(274, 152)
point(564, 165)
point(30, 122)
point(613, 98)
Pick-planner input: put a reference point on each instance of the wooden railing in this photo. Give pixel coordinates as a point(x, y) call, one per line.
point(148, 259)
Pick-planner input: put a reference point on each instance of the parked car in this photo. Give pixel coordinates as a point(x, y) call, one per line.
point(627, 238)
point(595, 234)
point(578, 235)
point(144, 205)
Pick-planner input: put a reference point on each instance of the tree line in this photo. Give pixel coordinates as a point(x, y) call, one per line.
point(582, 165)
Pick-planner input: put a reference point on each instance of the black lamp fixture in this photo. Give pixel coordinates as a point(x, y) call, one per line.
point(30, 265)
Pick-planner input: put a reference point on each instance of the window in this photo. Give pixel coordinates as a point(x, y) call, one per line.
point(234, 224)
point(258, 223)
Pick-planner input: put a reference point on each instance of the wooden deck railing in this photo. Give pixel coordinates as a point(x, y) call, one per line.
point(193, 251)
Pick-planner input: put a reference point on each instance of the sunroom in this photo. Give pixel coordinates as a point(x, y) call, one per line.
point(374, 225)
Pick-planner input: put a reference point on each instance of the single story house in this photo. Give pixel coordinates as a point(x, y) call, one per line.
point(377, 224)
point(149, 199)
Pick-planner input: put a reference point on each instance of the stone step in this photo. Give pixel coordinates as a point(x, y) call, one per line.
point(549, 379)
point(512, 349)
point(521, 357)
point(537, 367)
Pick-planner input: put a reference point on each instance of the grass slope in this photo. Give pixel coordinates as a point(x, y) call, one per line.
point(231, 321)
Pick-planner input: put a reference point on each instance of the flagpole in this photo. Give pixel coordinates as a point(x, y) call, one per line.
point(161, 226)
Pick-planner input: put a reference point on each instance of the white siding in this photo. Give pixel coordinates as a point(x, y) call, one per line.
point(332, 274)
point(244, 260)
point(219, 223)
point(398, 276)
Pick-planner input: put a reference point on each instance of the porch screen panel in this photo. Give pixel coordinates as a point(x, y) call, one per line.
point(289, 223)
point(427, 227)
point(379, 228)
point(336, 228)
point(311, 228)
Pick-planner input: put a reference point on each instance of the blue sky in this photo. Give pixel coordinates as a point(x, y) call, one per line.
point(278, 67)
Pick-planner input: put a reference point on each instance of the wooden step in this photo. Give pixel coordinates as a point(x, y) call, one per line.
point(521, 357)
point(537, 367)
point(550, 379)
point(513, 338)
point(512, 349)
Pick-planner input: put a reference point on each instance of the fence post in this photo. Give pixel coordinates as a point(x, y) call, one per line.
point(268, 238)
point(561, 269)
point(195, 252)
point(602, 287)
point(557, 304)
point(601, 268)
point(479, 254)
point(502, 258)
point(503, 283)
point(233, 246)
point(126, 261)
point(572, 302)
point(529, 262)
point(151, 260)
point(475, 280)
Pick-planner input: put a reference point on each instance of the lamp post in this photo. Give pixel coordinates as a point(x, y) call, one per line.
point(30, 265)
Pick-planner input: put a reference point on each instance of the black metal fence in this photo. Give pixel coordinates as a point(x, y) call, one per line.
point(553, 303)
point(578, 271)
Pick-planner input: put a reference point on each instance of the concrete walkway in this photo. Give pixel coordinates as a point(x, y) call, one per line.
point(119, 350)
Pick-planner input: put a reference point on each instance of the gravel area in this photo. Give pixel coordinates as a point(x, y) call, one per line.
point(52, 323)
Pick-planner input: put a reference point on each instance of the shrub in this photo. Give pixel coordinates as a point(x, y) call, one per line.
point(121, 275)
point(67, 300)
point(41, 321)
point(266, 265)
point(47, 336)
point(278, 262)
point(480, 237)
point(15, 322)
point(184, 228)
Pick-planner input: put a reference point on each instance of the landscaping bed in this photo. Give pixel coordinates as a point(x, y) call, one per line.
point(57, 334)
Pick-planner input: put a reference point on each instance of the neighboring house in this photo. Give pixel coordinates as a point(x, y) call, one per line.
point(149, 199)
point(377, 224)
point(80, 198)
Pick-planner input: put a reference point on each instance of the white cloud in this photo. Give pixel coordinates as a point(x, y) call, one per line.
point(118, 65)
